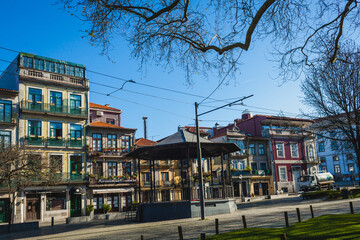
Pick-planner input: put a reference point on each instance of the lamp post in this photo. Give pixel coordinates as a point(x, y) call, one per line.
point(199, 156)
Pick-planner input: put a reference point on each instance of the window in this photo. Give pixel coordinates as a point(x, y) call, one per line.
point(56, 163)
point(52, 67)
point(75, 102)
point(252, 149)
point(349, 156)
point(57, 65)
point(263, 166)
point(335, 158)
point(254, 166)
point(146, 177)
point(55, 201)
point(323, 168)
point(75, 132)
point(348, 145)
point(321, 147)
point(261, 149)
point(5, 111)
point(127, 168)
point(337, 168)
point(56, 99)
point(110, 120)
point(294, 150)
point(280, 150)
point(34, 161)
point(282, 173)
point(62, 69)
point(35, 95)
point(34, 128)
point(165, 176)
point(351, 167)
point(323, 159)
point(112, 169)
point(56, 130)
point(310, 152)
point(112, 141)
point(98, 169)
point(334, 145)
point(98, 202)
point(97, 142)
point(5, 139)
point(125, 143)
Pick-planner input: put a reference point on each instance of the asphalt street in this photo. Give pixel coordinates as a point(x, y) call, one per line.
point(267, 213)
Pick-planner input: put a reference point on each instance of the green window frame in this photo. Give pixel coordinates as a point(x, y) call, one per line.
point(5, 111)
point(34, 128)
point(55, 130)
point(75, 101)
point(75, 132)
point(5, 139)
point(35, 95)
point(56, 98)
point(97, 142)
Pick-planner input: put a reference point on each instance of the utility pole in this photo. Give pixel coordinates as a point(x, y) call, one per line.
point(199, 156)
point(145, 127)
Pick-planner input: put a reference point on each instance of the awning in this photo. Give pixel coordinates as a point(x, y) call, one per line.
point(113, 190)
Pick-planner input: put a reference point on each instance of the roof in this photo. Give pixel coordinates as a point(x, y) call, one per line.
point(202, 130)
point(95, 105)
point(182, 136)
point(144, 142)
point(108, 125)
point(52, 59)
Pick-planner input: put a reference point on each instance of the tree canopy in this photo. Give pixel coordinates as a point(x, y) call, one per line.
point(205, 35)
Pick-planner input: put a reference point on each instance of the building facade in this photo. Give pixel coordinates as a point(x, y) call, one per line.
point(53, 112)
point(112, 176)
point(291, 146)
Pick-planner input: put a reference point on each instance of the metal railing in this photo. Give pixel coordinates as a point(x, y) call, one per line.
point(53, 142)
point(266, 172)
point(64, 109)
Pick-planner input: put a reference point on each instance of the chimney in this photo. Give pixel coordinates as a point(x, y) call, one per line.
point(246, 114)
point(107, 105)
point(145, 129)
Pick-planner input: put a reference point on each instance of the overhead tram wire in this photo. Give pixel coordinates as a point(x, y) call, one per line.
point(161, 88)
point(228, 72)
point(124, 80)
point(144, 105)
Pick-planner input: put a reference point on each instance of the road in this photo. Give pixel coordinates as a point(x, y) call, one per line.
point(268, 213)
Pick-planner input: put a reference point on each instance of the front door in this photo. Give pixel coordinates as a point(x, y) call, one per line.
point(75, 205)
point(256, 189)
point(296, 175)
point(244, 189)
point(265, 188)
point(4, 210)
point(236, 189)
point(32, 208)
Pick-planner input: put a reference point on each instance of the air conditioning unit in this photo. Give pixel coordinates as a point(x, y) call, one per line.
point(99, 113)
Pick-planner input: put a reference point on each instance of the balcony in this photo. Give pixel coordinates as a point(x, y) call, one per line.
point(53, 142)
point(69, 177)
point(49, 108)
point(313, 160)
point(56, 142)
point(55, 78)
point(75, 143)
point(108, 152)
point(34, 141)
point(286, 132)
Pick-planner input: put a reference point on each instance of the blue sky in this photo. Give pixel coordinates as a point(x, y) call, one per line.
point(42, 28)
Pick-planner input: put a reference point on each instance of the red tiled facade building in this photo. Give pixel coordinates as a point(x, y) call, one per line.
point(291, 145)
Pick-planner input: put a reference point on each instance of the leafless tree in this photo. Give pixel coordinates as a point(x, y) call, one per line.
point(20, 169)
point(206, 35)
point(333, 92)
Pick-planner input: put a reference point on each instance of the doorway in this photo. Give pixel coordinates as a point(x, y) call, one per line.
point(75, 166)
point(75, 205)
point(32, 207)
point(256, 189)
point(244, 189)
point(4, 210)
point(265, 188)
point(296, 175)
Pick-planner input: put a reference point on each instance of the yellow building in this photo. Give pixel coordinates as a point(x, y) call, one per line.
point(53, 101)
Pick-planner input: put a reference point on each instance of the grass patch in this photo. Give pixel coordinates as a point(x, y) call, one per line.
point(333, 194)
point(342, 226)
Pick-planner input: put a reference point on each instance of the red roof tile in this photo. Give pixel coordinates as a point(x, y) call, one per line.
point(94, 105)
point(107, 125)
point(144, 142)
